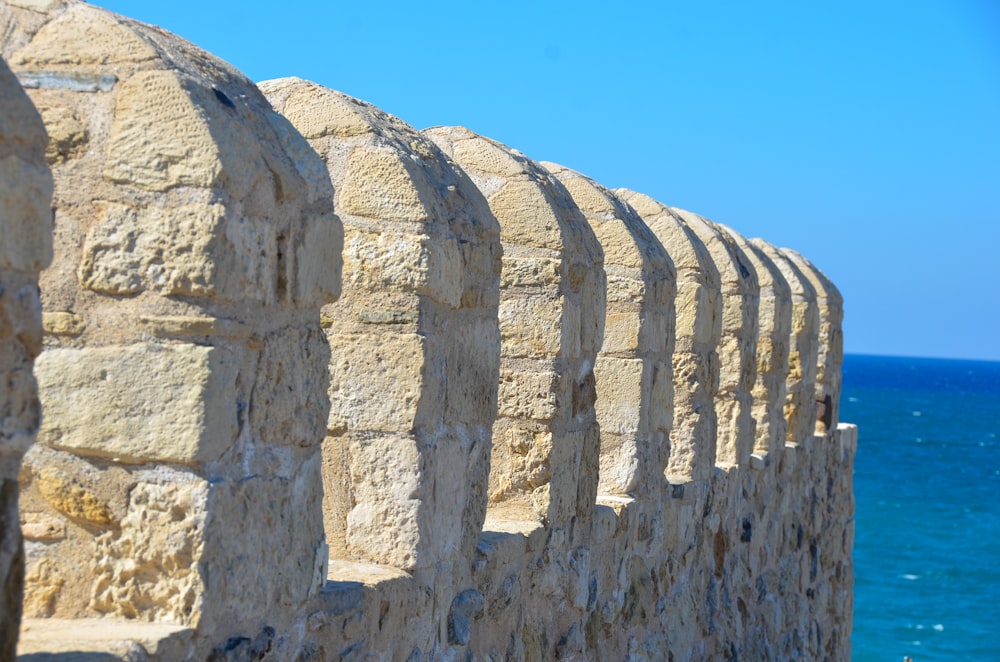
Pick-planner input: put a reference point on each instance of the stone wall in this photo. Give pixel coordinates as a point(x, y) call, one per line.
point(177, 474)
point(544, 420)
point(25, 249)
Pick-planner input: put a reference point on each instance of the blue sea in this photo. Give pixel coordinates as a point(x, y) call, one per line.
point(927, 527)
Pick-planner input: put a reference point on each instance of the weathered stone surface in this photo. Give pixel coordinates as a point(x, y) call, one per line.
point(25, 248)
point(737, 351)
point(638, 337)
point(81, 35)
point(773, 336)
point(698, 318)
point(124, 403)
point(415, 342)
point(552, 309)
point(831, 342)
point(803, 351)
point(25, 182)
point(195, 243)
point(205, 253)
point(191, 250)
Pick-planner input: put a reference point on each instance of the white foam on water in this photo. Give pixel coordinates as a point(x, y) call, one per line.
point(939, 627)
point(910, 577)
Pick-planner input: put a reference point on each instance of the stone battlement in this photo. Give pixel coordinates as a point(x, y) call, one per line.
point(285, 378)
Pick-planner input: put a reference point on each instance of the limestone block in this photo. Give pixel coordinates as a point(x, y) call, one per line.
point(192, 250)
point(83, 36)
point(526, 215)
point(61, 323)
point(530, 326)
point(40, 528)
point(384, 525)
point(377, 381)
point(521, 464)
point(140, 403)
point(472, 359)
point(68, 134)
point(404, 262)
point(625, 288)
point(698, 314)
point(319, 260)
point(318, 112)
point(170, 131)
point(661, 398)
point(307, 162)
point(180, 326)
point(528, 395)
point(36, 5)
point(487, 156)
point(149, 567)
point(25, 215)
point(378, 183)
point(621, 333)
point(527, 271)
point(263, 546)
point(290, 404)
point(620, 387)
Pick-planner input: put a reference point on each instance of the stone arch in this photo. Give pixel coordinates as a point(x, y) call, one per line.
point(416, 347)
point(773, 335)
point(25, 249)
point(183, 375)
point(831, 343)
point(695, 361)
point(633, 371)
point(552, 300)
point(737, 345)
point(800, 398)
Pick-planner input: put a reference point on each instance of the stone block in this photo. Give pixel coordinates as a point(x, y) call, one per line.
point(170, 131)
point(528, 395)
point(140, 403)
point(620, 395)
point(318, 261)
point(384, 524)
point(190, 250)
point(317, 112)
point(25, 214)
point(61, 323)
point(404, 262)
point(290, 406)
point(487, 157)
point(531, 327)
point(526, 216)
point(379, 184)
point(149, 564)
point(377, 381)
point(472, 358)
point(530, 271)
point(621, 332)
point(83, 35)
point(661, 398)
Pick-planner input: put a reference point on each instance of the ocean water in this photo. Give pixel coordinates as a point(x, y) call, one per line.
point(927, 527)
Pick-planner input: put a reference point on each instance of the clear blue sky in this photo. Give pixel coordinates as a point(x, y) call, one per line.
point(865, 134)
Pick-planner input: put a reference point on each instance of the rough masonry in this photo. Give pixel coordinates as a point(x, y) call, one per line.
point(543, 419)
point(25, 249)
